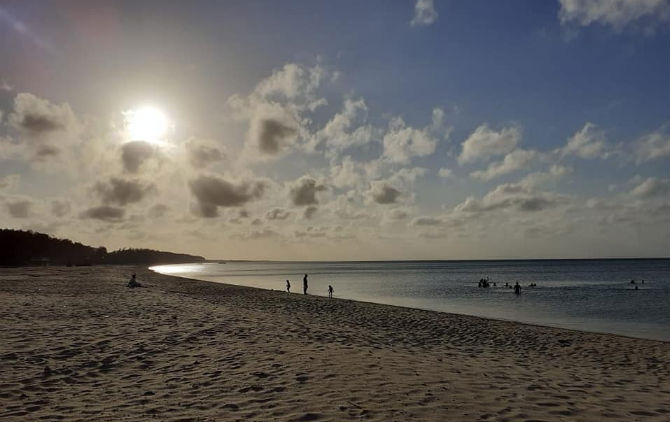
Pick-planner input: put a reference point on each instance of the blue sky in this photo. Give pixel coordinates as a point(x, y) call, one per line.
point(471, 125)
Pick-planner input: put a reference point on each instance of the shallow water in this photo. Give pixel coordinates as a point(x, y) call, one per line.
point(588, 295)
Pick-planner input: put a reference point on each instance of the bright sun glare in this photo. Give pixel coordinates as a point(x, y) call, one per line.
point(147, 124)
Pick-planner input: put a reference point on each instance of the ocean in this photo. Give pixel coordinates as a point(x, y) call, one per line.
point(588, 295)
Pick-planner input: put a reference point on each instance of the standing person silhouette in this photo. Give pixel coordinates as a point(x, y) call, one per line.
point(288, 286)
point(330, 291)
point(517, 288)
point(304, 284)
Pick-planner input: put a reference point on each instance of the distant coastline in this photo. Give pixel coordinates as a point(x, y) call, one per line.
point(28, 248)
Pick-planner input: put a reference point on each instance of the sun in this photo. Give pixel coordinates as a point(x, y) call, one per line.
point(147, 123)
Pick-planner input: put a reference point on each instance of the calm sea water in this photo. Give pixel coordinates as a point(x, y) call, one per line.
point(588, 295)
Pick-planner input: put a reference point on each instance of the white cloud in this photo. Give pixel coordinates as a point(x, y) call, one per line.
point(616, 13)
point(347, 128)
point(513, 161)
point(424, 13)
point(345, 174)
point(445, 173)
point(402, 142)
point(653, 145)
point(555, 172)
point(485, 142)
point(47, 130)
point(9, 182)
point(652, 187)
point(277, 110)
point(588, 143)
point(512, 196)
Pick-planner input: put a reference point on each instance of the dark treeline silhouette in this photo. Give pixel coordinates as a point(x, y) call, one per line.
point(148, 256)
point(19, 247)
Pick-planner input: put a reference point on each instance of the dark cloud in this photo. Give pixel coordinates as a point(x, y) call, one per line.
point(426, 221)
point(60, 208)
point(433, 235)
point(40, 123)
point(201, 155)
point(212, 192)
point(37, 116)
point(303, 192)
point(534, 204)
point(383, 193)
point(46, 151)
point(271, 134)
point(398, 214)
point(104, 213)
point(157, 211)
point(277, 214)
point(134, 153)
point(309, 212)
point(19, 209)
point(122, 192)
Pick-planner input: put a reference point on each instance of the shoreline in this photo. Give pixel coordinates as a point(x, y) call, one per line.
point(80, 345)
point(423, 309)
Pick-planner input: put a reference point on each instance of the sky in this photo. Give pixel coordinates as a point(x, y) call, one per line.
point(339, 130)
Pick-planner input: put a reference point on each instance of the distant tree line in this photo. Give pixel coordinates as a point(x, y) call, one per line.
point(20, 247)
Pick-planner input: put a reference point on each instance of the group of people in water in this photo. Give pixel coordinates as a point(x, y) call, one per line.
point(485, 283)
point(305, 286)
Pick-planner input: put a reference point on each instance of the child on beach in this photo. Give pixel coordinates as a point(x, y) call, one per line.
point(330, 291)
point(288, 286)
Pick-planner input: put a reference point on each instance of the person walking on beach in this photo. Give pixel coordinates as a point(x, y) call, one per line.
point(517, 289)
point(330, 291)
point(288, 286)
point(304, 284)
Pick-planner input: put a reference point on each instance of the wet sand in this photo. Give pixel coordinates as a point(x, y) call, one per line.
point(76, 344)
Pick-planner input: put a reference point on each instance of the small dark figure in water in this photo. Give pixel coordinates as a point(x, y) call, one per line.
point(330, 291)
point(636, 287)
point(642, 281)
point(506, 284)
point(133, 282)
point(304, 284)
point(632, 282)
point(288, 286)
point(517, 289)
point(494, 284)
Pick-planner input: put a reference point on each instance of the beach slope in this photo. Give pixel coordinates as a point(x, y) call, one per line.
point(77, 345)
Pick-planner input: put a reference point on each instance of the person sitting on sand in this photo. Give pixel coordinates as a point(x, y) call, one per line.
point(288, 286)
point(330, 291)
point(133, 282)
point(304, 284)
point(517, 289)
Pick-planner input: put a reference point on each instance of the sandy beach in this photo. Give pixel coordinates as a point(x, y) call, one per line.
point(76, 344)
